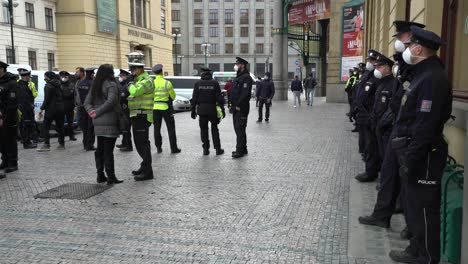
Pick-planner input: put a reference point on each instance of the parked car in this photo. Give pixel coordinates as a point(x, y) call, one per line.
point(181, 104)
point(183, 85)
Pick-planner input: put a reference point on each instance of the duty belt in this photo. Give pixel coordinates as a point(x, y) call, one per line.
point(141, 112)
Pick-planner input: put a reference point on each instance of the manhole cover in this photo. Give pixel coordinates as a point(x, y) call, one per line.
point(74, 191)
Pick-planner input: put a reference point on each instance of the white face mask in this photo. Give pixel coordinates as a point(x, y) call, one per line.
point(120, 79)
point(377, 74)
point(399, 46)
point(236, 68)
point(64, 79)
point(395, 70)
point(407, 56)
point(369, 66)
point(265, 77)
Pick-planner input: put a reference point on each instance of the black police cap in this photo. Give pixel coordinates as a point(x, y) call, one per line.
point(124, 72)
point(372, 54)
point(64, 73)
point(425, 38)
point(90, 69)
point(157, 68)
point(205, 69)
point(241, 61)
point(3, 65)
point(50, 74)
point(404, 26)
point(383, 60)
point(24, 72)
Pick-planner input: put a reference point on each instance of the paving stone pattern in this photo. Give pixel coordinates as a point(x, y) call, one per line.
point(286, 202)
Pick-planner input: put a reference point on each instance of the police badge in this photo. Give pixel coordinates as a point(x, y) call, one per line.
point(367, 88)
point(403, 100)
point(406, 84)
point(384, 99)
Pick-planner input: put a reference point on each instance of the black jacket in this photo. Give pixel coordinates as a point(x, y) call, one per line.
point(241, 92)
point(9, 99)
point(266, 90)
point(383, 97)
point(296, 85)
point(124, 94)
point(82, 88)
point(365, 100)
point(68, 89)
point(25, 96)
point(425, 107)
point(206, 94)
point(53, 98)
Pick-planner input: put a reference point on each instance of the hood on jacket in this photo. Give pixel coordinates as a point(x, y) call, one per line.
point(55, 82)
point(206, 76)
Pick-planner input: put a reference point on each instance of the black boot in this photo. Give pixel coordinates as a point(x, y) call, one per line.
point(137, 172)
point(146, 175)
point(101, 177)
point(3, 165)
point(11, 168)
point(372, 220)
point(219, 151)
point(402, 256)
point(363, 177)
point(206, 152)
point(405, 234)
point(110, 171)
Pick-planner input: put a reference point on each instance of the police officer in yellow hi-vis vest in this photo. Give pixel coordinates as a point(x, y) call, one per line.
point(163, 96)
point(140, 104)
point(27, 94)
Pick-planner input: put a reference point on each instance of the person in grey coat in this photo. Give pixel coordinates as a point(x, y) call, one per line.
point(101, 104)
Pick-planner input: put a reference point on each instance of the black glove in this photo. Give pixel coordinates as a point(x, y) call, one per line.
point(223, 111)
point(194, 115)
point(130, 78)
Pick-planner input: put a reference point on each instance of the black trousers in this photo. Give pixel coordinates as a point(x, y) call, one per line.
point(104, 155)
point(58, 118)
point(127, 134)
point(371, 151)
point(361, 143)
point(423, 191)
point(261, 103)
point(70, 115)
point(203, 122)
point(27, 126)
point(9, 146)
point(140, 126)
point(86, 124)
point(168, 116)
point(240, 125)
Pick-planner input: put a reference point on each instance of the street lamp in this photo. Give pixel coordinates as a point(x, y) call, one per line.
point(180, 58)
point(176, 35)
point(206, 45)
point(11, 4)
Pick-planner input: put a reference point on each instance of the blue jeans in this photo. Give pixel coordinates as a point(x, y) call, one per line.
point(310, 96)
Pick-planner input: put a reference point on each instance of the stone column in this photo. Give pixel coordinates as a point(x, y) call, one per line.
point(464, 245)
point(279, 61)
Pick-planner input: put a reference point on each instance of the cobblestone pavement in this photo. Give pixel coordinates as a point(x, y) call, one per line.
point(286, 202)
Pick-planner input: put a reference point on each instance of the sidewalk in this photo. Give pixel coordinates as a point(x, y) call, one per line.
point(293, 199)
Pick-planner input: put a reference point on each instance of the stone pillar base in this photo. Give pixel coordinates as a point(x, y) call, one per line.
point(281, 91)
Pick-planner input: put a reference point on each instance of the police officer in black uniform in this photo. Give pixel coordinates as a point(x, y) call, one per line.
point(240, 105)
point(420, 145)
point(82, 87)
point(26, 106)
point(68, 91)
point(8, 119)
point(364, 104)
point(127, 134)
point(205, 98)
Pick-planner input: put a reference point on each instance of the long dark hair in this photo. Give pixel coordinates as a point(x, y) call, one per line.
point(105, 72)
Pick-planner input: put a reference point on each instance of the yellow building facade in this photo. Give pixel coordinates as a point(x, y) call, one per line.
point(94, 32)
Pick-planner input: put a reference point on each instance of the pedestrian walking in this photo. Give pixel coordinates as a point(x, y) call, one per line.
point(296, 88)
point(140, 104)
point(240, 105)
point(54, 111)
point(164, 95)
point(126, 144)
point(102, 104)
point(82, 87)
point(265, 93)
point(206, 101)
point(68, 89)
point(420, 145)
point(310, 84)
point(8, 119)
point(27, 93)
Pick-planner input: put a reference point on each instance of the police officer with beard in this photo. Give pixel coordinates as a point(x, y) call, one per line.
point(82, 87)
point(26, 95)
point(8, 119)
point(68, 90)
point(240, 105)
point(206, 98)
point(124, 93)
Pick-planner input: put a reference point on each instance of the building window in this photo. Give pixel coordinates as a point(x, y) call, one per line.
point(9, 56)
point(228, 66)
point(259, 0)
point(197, 66)
point(244, 32)
point(198, 16)
point(163, 20)
point(244, 48)
point(49, 18)
point(244, 16)
point(214, 32)
point(138, 13)
point(198, 32)
point(229, 48)
point(175, 1)
point(175, 15)
point(51, 61)
point(163, 3)
point(198, 0)
point(198, 49)
point(229, 16)
point(259, 48)
point(30, 15)
point(176, 30)
point(244, 0)
point(214, 67)
point(214, 48)
point(6, 14)
point(228, 32)
point(214, 1)
point(271, 16)
point(259, 16)
point(32, 59)
point(213, 17)
point(259, 31)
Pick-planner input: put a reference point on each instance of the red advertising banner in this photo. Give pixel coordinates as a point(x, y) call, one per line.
point(352, 38)
point(308, 11)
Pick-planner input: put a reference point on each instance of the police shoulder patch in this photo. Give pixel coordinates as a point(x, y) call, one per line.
point(245, 85)
point(12, 95)
point(406, 85)
point(367, 88)
point(384, 99)
point(426, 106)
